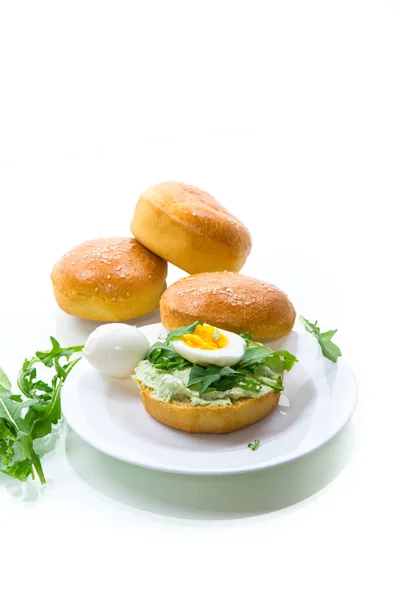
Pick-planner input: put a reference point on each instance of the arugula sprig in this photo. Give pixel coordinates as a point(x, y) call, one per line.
point(257, 354)
point(329, 349)
point(254, 445)
point(176, 334)
point(29, 416)
point(162, 354)
point(164, 358)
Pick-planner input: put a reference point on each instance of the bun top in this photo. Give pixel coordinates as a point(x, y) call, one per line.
point(229, 300)
point(109, 267)
point(200, 212)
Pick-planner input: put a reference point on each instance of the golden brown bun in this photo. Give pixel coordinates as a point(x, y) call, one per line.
point(109, 279)
point(190, 229)
point(209, 419)
point(228, 300)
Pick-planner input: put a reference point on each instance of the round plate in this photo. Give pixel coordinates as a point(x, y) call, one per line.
point(318, 400)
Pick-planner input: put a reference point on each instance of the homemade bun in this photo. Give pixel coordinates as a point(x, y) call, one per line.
point(190, 229)
point(109, 279)
point(183, 415)
point(228, 300)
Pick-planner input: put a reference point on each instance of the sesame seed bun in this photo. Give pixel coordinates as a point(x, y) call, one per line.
point(228, 300)
point(109, 279)
point(190, 229)
point(183, 415)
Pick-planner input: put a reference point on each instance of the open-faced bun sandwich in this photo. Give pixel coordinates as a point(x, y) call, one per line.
point(109, 279)
point(189, 228)
point(203, 379)
point(229, 300)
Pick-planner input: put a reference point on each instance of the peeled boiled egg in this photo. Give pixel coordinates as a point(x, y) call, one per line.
point(116, 349)
point(207, 345)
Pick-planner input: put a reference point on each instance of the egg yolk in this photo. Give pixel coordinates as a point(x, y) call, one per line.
point(205, 337)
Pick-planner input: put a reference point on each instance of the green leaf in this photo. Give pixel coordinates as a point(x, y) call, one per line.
point(246, 336)
point(178, 333)
point(204, 377)
point(249, 339)
point(4, 381)
point(165, 358)
point(254, 355)
point(10, 410)
point(330, 350)
point(254, 445)
point(56, 352)
point(6, 451)
point(41, 421)
point(21, 470)
point(280, 360)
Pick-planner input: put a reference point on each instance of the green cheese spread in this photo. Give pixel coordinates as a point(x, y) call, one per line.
point(172, 385)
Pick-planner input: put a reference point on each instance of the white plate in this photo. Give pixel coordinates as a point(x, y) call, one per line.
point(318, 400)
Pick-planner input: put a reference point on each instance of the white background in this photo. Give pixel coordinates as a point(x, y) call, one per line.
point(288, 112)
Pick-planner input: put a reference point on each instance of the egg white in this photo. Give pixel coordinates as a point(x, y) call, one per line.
point(116, 349)
point(231, 354)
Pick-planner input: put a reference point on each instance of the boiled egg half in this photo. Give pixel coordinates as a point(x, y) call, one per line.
point(208, 345)
point(116, 349)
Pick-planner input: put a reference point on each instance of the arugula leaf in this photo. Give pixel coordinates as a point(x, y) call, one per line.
point(165, 358)
point(27, 417)
point(253, 356)
point(6, 449)
point(180, 331)
point(280, 360)
point(277, 361)
point(329, 349)
point(4, 381)
point(246, 336)
point(206, 376)
point(254, 445)
point(21, 469)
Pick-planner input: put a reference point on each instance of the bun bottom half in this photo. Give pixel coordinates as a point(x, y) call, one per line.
point(209, 419)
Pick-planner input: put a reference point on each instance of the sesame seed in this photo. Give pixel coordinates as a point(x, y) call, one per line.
point(108, 285)
point(108, 276)
point(96, 289)
point(127, 293)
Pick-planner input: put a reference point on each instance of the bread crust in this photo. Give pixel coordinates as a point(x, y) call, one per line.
point(109, 279)
point(228, 300)
point(189, 228)
point(208, 418)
